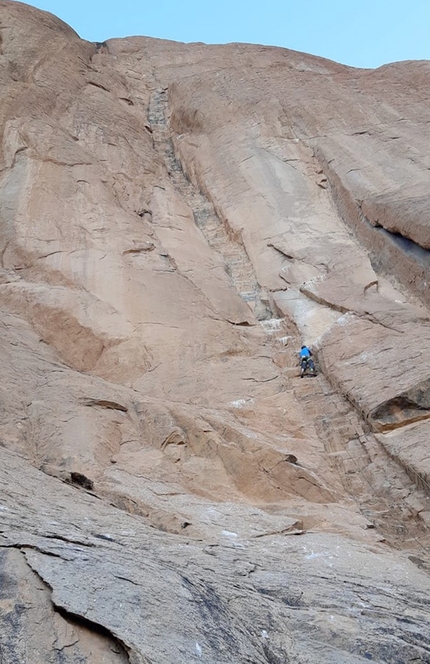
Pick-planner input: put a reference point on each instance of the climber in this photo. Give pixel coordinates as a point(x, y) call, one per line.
point(306, 361)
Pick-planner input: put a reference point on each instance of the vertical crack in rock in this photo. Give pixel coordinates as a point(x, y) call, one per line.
point(237, 263)
point(375, 480)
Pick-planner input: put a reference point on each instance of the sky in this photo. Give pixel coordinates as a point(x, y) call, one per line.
point(359, 33)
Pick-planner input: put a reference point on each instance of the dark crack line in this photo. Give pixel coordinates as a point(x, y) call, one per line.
point(267, 380)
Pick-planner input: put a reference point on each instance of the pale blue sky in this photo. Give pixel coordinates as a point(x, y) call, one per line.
point(361, 33)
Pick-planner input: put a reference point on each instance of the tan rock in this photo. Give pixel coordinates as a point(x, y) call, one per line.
point(175, 221)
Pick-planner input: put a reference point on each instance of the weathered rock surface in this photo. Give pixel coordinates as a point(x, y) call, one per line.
point(166, 599)
point(175, 220)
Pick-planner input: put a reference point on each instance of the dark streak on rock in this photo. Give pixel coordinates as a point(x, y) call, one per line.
point(81, 480)
point(104, 403)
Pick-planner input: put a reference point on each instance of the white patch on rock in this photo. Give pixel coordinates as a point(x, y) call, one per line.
point(241, 403)
point(344, 320)
point(315, 554)
point(271, 325)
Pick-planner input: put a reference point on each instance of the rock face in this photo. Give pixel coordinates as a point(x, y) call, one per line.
point(175, 221)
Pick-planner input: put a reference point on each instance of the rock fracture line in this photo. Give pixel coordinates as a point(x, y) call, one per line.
point(237, 264)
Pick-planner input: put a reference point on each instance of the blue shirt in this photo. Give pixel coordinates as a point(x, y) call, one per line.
point(305, 352)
